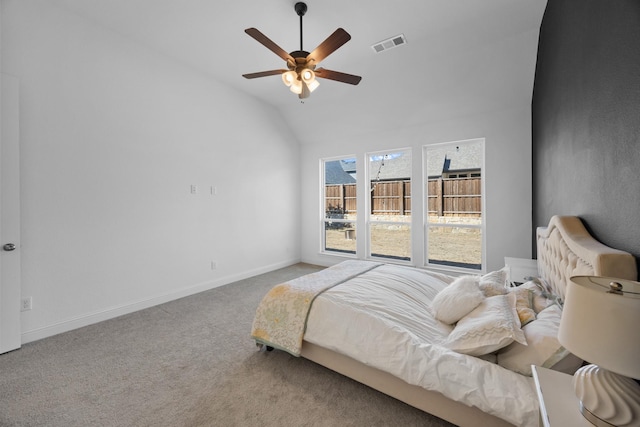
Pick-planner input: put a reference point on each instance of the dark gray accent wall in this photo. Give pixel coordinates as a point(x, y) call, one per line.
point(586, 118)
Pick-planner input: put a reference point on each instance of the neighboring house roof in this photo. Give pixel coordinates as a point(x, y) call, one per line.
point(349, 166)
point(394, 166)
point(453, 158)
point(334, 174)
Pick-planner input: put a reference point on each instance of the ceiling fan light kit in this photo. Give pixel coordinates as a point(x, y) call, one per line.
point(300, 75)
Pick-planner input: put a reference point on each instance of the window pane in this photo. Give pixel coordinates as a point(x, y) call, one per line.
point(454, 203)
point(340, 237)
point(340, 187)
point(340, 204)
point(390, 183)
point(455, 246)
point(390, 204)
point(391, 240)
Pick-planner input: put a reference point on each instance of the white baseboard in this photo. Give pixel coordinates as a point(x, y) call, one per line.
point(110, 313)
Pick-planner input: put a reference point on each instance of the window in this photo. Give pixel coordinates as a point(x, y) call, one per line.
point(454, 212)
point(339, 211)
point(389, 219)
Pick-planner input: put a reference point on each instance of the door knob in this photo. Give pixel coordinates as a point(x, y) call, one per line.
point(9, 247)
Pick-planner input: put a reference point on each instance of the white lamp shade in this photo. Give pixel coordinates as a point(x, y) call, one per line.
point(309, 77)
point(601, 327)
point(289, 77)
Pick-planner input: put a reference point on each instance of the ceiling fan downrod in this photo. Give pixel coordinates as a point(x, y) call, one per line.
point(301, 9)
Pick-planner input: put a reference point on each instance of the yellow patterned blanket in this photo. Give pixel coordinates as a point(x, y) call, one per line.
point(281, 317)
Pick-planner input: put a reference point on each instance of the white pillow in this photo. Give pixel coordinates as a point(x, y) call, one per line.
point(498, 276)
point(457, 299)
point(494, 283)
point(491, 326)
point(542, 349)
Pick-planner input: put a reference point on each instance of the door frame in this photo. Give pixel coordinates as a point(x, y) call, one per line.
point(10, 265)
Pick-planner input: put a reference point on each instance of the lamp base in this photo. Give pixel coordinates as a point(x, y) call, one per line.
point(593, 419)
point(606, 398)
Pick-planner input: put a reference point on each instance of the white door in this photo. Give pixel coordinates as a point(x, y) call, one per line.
point(9, 216)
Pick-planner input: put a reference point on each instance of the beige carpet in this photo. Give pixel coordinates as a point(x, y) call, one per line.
point(189, 362)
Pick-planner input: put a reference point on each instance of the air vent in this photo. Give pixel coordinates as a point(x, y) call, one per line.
point(390, 43)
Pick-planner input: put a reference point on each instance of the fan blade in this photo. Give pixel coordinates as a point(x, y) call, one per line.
point(263, 74)
point(330, 45)
point(266, 41)
point(338, 76)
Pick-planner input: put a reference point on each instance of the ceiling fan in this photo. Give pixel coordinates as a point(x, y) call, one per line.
point(300, 75)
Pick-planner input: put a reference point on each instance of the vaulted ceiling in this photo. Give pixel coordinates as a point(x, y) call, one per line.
point(461, 56)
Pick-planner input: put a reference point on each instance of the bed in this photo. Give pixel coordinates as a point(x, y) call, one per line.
point(408, 332)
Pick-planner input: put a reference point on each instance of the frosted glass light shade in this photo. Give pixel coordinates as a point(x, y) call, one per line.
point(296, 87)
point(309, 77)
point(289, 77)
point(313, 85)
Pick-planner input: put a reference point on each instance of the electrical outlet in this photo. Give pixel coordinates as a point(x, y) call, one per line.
point(26, 304)
point(214, 265)
point(194, 189)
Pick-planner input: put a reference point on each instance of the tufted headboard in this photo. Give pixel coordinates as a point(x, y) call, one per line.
point(566, 249)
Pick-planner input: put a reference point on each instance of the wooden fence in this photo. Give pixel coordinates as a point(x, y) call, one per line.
point(446, 197)
point(340, 198)
point(455, 197)
point(391, 198)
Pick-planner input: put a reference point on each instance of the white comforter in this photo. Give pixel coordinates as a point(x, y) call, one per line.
point(382, 318)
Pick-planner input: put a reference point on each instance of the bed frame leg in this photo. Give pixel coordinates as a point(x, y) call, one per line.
point(262, 347)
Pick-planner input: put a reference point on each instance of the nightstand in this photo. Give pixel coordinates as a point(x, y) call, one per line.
point(520, 269)
point(559, 406)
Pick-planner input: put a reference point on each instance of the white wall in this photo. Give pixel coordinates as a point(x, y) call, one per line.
point(112, 137)
point(493, 102)
point(507, 176)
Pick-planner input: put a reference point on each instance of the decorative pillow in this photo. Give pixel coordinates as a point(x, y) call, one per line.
point(548, 288)
point(457, 299)
point(542, 349)
point(524, 304)
point(542, 283)
point(494, 283)
point(491, 326)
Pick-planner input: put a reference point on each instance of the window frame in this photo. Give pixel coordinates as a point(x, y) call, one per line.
point(425, 204)
point(370, 178)
point(322, 214)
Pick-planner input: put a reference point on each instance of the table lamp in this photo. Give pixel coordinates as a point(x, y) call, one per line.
point(601, 324)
